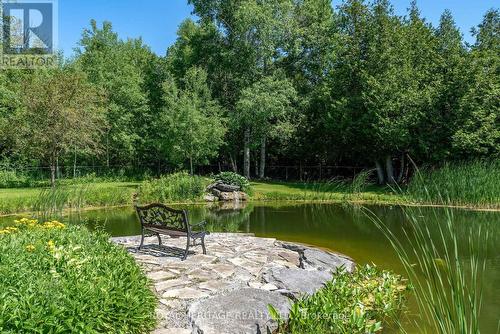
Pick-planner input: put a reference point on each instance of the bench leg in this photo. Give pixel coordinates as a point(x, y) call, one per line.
point(203, 245)
point(187, 249)
point(142, 240)
point(159, 239)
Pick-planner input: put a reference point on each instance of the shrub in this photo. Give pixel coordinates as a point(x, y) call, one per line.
point(234, 179)
point(58, 279)
point(173, 187)
point(12, 179)
point(358, 303)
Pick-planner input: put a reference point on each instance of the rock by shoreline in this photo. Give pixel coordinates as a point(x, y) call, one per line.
point(228, 290)
point(219, 191)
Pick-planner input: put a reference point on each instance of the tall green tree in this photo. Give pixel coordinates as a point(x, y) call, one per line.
point(309, 49)
point(191, 122)
point(117, 68)
point(60, 111)
point(478, 131)
point(266, 109)
point(441, 120)
point(252, 35)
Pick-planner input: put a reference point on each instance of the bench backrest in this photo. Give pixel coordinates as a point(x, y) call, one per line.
point(161, 216)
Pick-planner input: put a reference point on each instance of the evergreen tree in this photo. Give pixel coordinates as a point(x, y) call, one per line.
point(478, 131)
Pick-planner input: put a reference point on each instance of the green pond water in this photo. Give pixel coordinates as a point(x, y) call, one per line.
point(344, 229)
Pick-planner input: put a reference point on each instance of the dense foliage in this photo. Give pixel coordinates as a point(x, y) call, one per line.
point(252, 83)
point(58, 279)
point(363, 302)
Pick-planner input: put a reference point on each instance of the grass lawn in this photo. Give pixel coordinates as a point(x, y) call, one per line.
point(334, 192)
point(81, 195)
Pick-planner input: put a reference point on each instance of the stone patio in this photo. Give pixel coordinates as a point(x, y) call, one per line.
point(228, 290)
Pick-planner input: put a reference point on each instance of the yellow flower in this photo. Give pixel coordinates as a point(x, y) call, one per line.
point(30, 248)
point(54, 224)
point(8, 230)
point(26, 222)
point(51, 245)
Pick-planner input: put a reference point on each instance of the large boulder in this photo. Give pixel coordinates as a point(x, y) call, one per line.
point(316, 259)
point(222, 187)
point(227, 187)
point(243, 311)
point(322, 260)
point(233, 196)
point(225, 193)
point(296, 282)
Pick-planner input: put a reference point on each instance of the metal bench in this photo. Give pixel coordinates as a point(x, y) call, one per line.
point(157, 219)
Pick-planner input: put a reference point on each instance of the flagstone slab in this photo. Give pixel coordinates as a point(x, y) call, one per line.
point(165, 285)
point(185, 293)
point(221, 269)
point(160, 275)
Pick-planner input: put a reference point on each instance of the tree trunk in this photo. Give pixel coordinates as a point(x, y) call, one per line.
point(402, 167)
point(262, 158)
point(256, 165)
point(191, 165)
point(53, 173)
point(234, 166)
point(246, 154)
point(57, 168)
point(107, 150)
point(74, 166)
point(380, 172)
point(389, 169)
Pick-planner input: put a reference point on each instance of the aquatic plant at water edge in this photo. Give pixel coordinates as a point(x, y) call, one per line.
point(446, 279)
point(66, 279)
point(365, 301)
point(474, 183)
point(173, 187)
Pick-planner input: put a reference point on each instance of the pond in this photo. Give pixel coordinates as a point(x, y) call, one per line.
point(344, 229)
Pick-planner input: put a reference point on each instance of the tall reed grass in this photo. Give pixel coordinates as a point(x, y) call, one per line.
point(467, 184)
point(52, 201)
point(446, 272)
point(173, 187)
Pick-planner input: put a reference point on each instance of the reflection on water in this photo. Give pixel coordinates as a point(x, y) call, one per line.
point(344, 229)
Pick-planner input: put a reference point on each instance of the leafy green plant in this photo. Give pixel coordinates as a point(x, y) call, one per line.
point(174, 187)
point(358, 303)
point(234, 179)
point(59, 279)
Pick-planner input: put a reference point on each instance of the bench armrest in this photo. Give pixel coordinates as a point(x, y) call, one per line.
point(201, 225)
